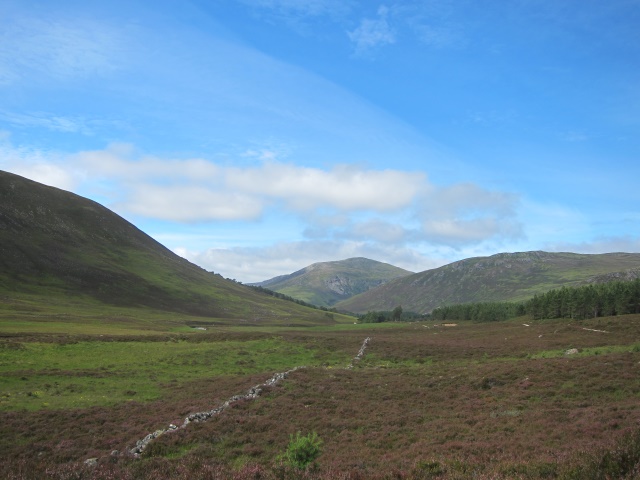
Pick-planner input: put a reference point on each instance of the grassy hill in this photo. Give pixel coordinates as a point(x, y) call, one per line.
point(59, 249)
point(327, 283)
point(501, 277)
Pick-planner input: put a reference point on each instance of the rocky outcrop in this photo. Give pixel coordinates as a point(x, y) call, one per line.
point(624, 276)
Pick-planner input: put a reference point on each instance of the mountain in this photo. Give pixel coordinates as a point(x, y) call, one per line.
point(501, 277)
point(68, 249)
point(624, 276)
point(326, 283)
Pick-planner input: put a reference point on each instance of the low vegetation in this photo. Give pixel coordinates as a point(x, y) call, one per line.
point(496, 400)
point(302, 451)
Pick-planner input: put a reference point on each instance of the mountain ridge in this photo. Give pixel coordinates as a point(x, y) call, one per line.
point(325, 283)
point(500, 277)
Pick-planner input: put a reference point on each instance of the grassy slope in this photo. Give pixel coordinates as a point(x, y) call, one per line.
point(327, 283)
point(506, 276)
point(60, 250)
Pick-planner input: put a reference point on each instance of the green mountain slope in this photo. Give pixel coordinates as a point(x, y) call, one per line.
point(326, 283)
point(66, 248)
point(501, 277)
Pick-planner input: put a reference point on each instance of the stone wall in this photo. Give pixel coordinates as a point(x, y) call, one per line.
point(253, 392)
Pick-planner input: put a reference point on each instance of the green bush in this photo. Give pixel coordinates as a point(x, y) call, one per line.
point(302, 451)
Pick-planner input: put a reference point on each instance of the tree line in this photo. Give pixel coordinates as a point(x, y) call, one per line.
point(478, 312)
point(589, 301)
point(395, 315)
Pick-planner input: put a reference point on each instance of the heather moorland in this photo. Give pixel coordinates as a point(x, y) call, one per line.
point(427, 400)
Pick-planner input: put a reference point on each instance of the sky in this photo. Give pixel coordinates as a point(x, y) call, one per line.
point(256, 137)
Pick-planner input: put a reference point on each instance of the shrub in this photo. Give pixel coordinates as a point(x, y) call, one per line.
point(302, 451)
point(623, 461)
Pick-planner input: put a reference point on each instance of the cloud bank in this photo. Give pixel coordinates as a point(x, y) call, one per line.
point(347, 202)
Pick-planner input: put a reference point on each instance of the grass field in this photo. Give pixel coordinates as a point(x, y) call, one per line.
point(493, 400)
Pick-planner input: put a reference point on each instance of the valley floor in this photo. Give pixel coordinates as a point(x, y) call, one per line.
point(490, 400)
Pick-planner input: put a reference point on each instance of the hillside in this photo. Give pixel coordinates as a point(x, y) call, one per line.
point(68, 249)
point(326, 283)
point(501, 277)
point(624, 276)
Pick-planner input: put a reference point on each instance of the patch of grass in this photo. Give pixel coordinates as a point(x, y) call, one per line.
point(86, 373)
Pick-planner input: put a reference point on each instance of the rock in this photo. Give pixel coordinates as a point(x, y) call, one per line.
point(91, 462)
point(252, 393)
point(571, 351)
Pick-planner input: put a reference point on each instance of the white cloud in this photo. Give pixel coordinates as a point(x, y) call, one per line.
point(379, 230)
point(470, 197)
point(344, 187)
point(257, 264)
point(155, 183)
point(57, 123)
point(202, 190)
point(122, 161)
point(56, 47)
point(372, 33)
point(347, 203)
point(188, 203)
point(42, 167)
point(627, 244)
point(466, 213)
point(48, 174)
point(456, 216)
point(459, 231)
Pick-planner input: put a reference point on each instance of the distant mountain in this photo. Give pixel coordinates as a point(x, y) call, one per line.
point(326, 283)
point(63, 247)
point(501, 277)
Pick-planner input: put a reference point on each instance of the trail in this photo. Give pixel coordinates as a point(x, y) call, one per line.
point(252, 393)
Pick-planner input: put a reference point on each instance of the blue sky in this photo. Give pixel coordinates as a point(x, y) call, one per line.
point(255, 137)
